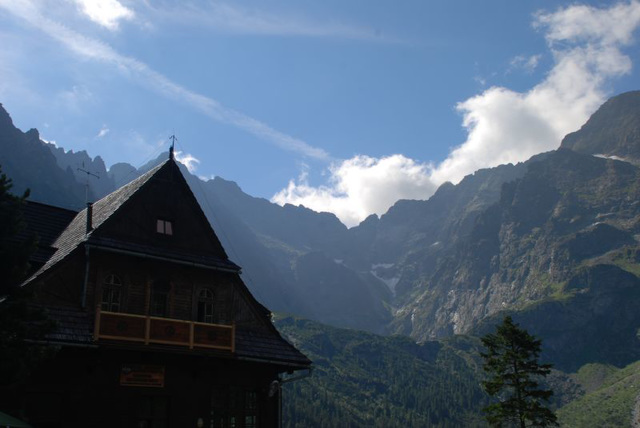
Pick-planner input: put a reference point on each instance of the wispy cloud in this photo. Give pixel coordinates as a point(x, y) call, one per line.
point(526, 63)
point(107, 13)
point(96, 50)
point(229, 17)
point(75, 97)
point(503, 126)
point(103, 131)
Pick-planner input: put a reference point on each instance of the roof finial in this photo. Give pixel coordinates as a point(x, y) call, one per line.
point(173, 143)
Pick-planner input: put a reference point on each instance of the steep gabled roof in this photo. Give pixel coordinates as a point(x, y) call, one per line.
point(75, 234)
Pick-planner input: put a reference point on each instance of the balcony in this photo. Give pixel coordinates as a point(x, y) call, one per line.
point(165, 331)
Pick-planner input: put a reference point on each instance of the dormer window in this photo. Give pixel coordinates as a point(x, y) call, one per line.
point(164, 226)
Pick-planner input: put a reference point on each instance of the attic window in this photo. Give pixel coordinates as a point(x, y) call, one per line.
point(164, 226)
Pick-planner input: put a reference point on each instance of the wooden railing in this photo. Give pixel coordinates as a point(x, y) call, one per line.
point(167, 331)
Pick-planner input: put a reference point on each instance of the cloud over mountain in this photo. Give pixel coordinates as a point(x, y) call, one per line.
point(503, 125)
point(360, 186)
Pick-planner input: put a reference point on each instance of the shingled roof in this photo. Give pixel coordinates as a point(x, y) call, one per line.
point(75, 234)
point(47, 223)
point(75, 326)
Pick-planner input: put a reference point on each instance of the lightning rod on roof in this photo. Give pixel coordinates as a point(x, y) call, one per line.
point(173, 139)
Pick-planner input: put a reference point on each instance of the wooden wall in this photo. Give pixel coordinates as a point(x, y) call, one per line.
point(82, 388)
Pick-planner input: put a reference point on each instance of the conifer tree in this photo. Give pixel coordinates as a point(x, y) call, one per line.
point(18, 320)
point(14, 253)
point(511, 363)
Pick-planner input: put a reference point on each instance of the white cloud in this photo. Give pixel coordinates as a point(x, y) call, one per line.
point(507, 126)
point(580, 23)
point(188, 160)
point(93, 49)
point(107, 13)
point(205, 178)
point(103, 131)
point(504, 126)
point(360, 186)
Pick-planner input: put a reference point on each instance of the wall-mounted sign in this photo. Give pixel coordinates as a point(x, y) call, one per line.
point(142, 375)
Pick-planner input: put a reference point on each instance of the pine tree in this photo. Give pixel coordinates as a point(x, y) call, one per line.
point(18, 320)
point(511, 363)
point(14, 253)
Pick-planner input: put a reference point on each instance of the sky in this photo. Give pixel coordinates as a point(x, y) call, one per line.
point(343, 106)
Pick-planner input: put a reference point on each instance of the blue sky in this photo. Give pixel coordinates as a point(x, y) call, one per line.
point(343, 106)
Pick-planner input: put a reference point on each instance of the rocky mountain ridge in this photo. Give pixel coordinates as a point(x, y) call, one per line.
point(553, 240)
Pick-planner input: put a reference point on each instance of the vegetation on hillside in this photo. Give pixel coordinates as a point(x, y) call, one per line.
point(611, 396)
point(361, 379)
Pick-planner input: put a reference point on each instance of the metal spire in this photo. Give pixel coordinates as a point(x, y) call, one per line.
point(173, 139)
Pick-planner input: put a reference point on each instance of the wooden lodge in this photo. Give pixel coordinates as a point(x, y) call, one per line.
point(154, 326)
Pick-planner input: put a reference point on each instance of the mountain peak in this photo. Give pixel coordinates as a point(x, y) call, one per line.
point(612, 131)
point(5, 118)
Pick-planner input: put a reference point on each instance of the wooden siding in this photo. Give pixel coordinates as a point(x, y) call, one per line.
point(166, 196)
point(138, 274)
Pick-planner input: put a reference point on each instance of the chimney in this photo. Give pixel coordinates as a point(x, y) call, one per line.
point(89, 216)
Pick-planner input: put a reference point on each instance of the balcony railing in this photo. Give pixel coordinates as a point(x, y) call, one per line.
point(166, 331)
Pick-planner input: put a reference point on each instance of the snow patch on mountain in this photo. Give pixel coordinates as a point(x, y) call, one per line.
point(385, 273)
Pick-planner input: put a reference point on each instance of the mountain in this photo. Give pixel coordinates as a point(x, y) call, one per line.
point(31, 165)
point(552, 240)
point(286, 257)
point(559, 250)
point(85, 169)
point(612, 131)
point(567, 210)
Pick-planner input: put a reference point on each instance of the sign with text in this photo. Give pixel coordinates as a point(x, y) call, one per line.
point(142, 375)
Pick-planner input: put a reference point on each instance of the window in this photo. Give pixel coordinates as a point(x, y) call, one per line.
point(159, 302)
point(152, 411)
point(164, 227)
point(205, 306)
point(234, 408)
point(111, 293)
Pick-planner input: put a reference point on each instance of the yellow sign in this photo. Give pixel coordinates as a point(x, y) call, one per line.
point(142, 375)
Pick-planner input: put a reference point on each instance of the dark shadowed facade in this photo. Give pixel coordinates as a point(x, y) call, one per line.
point(155, 327)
